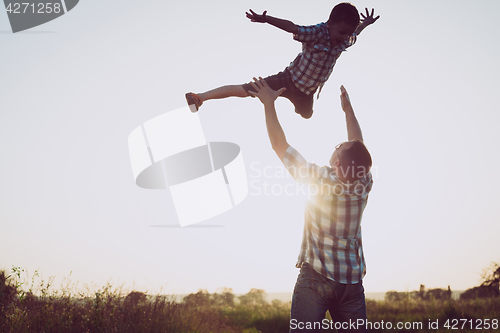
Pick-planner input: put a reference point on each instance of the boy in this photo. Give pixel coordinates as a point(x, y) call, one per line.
point(322, 44)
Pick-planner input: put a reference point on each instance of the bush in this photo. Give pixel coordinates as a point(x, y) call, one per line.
point(111, 310)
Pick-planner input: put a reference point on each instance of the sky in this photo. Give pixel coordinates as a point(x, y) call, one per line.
point(423, 81)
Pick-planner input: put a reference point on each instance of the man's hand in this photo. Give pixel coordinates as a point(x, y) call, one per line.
point(254, 17)
point(353, 128)
point(368, 19)
point(262, 90)
point(344, 100)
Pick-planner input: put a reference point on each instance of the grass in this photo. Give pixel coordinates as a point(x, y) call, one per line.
point(34, 306)
point(455, 313)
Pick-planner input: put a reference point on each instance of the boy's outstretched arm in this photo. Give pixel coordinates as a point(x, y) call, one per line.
point(366, 20)
point(353, 128)
point(276, 134)
point(286, 25)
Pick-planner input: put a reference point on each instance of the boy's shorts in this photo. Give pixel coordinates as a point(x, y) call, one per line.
point(303, 103)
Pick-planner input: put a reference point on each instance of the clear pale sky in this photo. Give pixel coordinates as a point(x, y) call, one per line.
point(423, 81)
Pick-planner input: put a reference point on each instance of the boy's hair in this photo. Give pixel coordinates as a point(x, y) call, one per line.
point(345, 12)
point(355, 161)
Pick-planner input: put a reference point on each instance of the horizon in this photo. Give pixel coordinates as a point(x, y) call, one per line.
point(37, 279)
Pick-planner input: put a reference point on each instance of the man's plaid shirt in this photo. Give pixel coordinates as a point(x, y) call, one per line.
point(313, 66)
point(331, 243)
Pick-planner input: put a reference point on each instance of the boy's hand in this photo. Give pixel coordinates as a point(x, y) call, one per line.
point(264, 92)
point(344, 100)
point(368, 19)
point(254, 17)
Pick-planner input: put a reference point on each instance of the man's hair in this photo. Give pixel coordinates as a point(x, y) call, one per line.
point(355, 161)
point(345, 12)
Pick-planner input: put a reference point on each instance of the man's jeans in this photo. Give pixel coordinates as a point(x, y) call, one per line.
point(314, 294)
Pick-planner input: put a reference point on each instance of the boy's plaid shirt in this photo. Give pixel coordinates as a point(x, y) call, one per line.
point(313, 66)
point(331, 242)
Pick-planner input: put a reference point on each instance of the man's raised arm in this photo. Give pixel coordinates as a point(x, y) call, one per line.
point(286, 25)
point(353, 128)
point(276, 134)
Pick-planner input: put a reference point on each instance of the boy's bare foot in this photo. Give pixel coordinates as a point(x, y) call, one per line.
point(194, 101)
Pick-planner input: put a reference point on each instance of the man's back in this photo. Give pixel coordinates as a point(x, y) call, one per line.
point(331, 242)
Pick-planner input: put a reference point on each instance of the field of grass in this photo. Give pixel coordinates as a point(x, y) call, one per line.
point(36, 307)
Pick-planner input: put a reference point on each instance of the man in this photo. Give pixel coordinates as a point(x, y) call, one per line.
point(331, 259)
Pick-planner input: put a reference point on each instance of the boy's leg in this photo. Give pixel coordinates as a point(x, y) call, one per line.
point(240, 90)
point(303, 103)
point(224, 92)
point(196, 100)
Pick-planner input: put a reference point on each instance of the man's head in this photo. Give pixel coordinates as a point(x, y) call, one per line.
point(351, 160)
point(343, 21)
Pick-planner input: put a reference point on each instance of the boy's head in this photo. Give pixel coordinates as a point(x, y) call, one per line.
point(343, 21)
point(351, 160)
